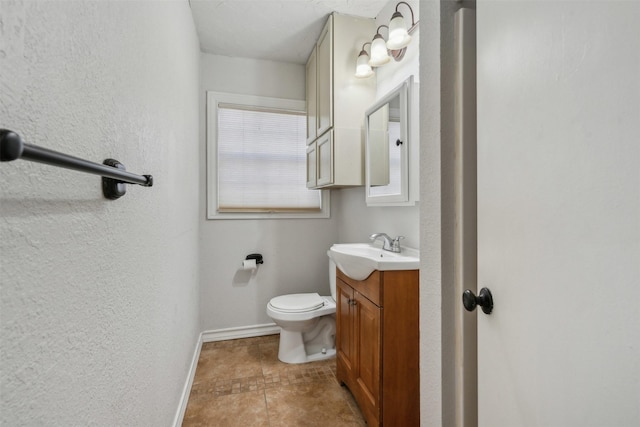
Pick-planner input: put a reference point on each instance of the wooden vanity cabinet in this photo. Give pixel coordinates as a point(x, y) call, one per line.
point(377, 345)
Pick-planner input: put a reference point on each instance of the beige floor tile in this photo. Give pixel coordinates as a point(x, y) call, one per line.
point(320, 403)
point(272, 366)
point(269, 359)
point(240, 361)
point(235, 379)
point(241, 342)
point(213, 387)
point(235, 410)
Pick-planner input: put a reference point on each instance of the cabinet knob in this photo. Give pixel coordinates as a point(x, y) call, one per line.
point(351, 301)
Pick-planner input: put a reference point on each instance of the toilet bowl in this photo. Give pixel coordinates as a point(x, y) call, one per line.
point(307, 324)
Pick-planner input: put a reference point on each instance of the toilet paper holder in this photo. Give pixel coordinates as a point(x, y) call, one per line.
point(257, 257)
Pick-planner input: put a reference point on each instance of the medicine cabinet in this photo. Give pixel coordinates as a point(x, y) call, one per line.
point(391, 149)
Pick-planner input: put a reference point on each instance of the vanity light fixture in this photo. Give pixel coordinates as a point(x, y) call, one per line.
point(363, 69)
point(379, 53)
point(399, 36)
point(382, 51)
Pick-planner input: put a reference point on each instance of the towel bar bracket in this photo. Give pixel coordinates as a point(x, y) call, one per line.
point(112, 188)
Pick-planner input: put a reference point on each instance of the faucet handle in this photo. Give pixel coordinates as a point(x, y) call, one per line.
point(396, 243)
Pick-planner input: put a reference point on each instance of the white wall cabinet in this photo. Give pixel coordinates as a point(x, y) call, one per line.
point(324, 78)
point(312, 165)
point(312, 99)
point(324, 168)
point(336, 103)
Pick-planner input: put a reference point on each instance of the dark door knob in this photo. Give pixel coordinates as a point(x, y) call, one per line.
point(484, 300)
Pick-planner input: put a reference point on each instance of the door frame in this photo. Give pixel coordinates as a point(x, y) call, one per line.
point(442, 400)
point(465, 232)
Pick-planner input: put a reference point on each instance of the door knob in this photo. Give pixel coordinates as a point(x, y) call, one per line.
point(484, 300)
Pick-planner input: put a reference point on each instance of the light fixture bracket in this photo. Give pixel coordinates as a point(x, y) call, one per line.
point(397, 55)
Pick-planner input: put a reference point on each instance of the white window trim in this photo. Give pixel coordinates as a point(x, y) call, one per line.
point(213, 98)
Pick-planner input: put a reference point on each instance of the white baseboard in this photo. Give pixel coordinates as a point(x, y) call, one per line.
point(241, 332)
point(186, 391)
point(217, 335)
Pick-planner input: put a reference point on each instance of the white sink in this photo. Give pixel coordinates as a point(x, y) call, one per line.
point(359, 260)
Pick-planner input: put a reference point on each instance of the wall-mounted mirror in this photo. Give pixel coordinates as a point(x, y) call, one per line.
point(387, 142)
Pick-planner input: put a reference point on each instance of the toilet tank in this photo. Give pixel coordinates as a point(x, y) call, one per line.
point(332, 279)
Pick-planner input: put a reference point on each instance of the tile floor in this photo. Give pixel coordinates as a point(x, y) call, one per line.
point(240, 383)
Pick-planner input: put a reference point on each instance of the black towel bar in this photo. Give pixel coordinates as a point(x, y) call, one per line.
point(113, 173)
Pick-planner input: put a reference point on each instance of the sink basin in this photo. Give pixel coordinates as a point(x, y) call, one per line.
point(359, 260)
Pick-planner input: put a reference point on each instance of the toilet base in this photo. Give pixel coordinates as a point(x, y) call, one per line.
point(319, 344)
point(328, 354)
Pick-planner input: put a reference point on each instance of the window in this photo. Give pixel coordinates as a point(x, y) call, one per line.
point(257, 159)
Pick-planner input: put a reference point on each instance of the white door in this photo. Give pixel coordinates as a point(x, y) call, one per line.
point(559, 213)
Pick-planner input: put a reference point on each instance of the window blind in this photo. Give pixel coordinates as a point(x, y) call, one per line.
point(262, 161)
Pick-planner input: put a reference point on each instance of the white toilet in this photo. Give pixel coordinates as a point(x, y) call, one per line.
point(307, 322)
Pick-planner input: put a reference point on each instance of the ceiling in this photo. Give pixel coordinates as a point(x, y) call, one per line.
point(277, 30)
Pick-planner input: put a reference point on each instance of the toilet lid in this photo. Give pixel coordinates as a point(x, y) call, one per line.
point(297, 303)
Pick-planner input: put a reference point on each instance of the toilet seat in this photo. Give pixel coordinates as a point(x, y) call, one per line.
point(297, 303)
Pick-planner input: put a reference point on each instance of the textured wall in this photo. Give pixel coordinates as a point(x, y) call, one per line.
point(356, 220)
point(99, 314)
point(294, 249)
point(433, 263)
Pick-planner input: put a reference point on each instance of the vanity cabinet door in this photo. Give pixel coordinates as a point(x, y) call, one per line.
point(368, 351)
point(345, 344)
point(359, 343)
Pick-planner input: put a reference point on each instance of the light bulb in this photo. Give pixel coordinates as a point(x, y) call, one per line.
point(363, 69)
point(398, 36)
point(379, 54)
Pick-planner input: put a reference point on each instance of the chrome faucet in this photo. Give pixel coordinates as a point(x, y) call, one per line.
point(389, 244)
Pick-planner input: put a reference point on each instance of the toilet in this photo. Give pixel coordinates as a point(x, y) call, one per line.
point(307, 322)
